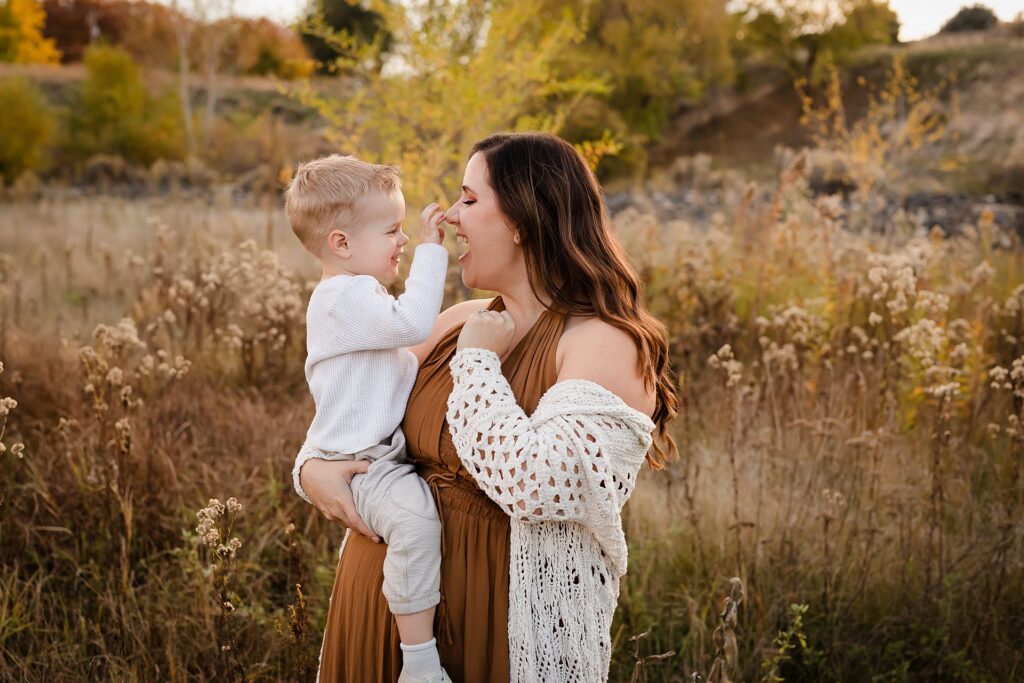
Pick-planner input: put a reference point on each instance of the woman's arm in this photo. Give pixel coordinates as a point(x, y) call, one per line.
point(449, 318)
point(574, 459)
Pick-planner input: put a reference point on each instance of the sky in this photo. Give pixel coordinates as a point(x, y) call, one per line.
point(918, 18)
point(922, 18)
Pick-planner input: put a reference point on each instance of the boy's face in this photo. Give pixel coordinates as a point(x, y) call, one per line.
point(376, 239)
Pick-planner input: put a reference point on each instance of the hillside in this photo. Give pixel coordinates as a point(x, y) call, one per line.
point(738, 128)
point(743, 129)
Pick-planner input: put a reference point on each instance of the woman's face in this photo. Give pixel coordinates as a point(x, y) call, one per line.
point(489, 257)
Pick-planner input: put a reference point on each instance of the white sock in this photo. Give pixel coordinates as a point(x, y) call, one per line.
point(421, 660)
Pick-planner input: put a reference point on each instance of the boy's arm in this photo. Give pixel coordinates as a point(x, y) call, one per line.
point(367, 317)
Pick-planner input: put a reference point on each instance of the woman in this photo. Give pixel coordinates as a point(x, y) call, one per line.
point(532, 544)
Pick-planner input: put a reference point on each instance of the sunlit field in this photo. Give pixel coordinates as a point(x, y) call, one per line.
point(844, 310)
point(850, 446)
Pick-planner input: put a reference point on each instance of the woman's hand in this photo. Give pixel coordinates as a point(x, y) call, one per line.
point(491, 330)
point(328, 483)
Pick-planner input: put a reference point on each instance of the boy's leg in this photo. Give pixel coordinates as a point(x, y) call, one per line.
point(402, 511)
point(396, 503)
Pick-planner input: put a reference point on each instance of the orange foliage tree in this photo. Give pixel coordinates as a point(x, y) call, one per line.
point(21, 34)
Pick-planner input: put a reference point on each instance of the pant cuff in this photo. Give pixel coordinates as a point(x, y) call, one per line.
point(413, 606)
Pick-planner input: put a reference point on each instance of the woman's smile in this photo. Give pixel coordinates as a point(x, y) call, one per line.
point(463, 246)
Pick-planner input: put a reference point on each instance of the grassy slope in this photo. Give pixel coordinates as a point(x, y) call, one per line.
point(991, 92)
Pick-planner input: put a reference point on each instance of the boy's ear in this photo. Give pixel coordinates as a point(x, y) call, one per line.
point(337, 242)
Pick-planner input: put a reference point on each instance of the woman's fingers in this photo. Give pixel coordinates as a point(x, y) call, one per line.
point(345, 513)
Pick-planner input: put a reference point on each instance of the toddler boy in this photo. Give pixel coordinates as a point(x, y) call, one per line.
point(349, 214)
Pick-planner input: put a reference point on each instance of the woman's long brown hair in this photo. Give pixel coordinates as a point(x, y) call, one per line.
point(553, 199)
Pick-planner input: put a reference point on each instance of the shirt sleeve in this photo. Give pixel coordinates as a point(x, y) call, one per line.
point(559, 467)
point(367, 317)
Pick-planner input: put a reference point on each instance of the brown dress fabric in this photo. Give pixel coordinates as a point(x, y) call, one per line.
point(361, 638)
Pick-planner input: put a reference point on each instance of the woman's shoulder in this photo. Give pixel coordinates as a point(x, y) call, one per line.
point(593, 349)
point(449, 318)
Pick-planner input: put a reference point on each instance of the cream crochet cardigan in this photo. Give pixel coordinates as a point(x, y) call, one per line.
point(562, 475)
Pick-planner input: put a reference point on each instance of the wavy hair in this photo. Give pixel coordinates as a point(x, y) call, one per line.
point(551, 196)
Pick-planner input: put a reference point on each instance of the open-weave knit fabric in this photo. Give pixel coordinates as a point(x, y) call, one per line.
point(562, 475)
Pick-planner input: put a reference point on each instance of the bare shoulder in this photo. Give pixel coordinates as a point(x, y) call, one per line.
point(594, 350)
point(449, 318)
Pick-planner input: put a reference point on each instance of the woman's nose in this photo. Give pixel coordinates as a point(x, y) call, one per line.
point(452, 214)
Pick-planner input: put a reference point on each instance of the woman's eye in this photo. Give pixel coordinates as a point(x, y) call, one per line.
point(467, 202)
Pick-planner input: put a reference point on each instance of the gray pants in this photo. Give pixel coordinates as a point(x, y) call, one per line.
point(396, 503)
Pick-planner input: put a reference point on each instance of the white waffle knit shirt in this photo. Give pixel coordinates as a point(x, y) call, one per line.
point(357, 368)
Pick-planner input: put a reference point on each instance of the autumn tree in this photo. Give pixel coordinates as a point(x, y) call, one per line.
point(973, 18)
point(805, 36)
point(262, 47)
point(115, 114)
point(21, 34)
point(73, 25)
point(653, 56)
point(458, 71)
point(27, 127)
point(330, 26)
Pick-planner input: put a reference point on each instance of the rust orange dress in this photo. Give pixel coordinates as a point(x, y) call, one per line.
point(471, 625)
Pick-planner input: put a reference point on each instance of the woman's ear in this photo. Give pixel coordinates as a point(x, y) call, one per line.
point(337, 243)
point(515, 236)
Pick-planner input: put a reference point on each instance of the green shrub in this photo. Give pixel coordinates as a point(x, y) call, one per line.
point(973, 18)
point(27, 125)
point(115, 114)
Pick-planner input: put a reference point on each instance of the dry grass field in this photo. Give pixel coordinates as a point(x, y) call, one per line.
point(847, 328)
point(851, 446)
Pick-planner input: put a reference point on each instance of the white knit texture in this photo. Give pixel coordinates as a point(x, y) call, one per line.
point(562, 475)
point(357, 369)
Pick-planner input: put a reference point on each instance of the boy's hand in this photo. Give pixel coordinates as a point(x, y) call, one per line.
point(431, 230)
point(491, 330)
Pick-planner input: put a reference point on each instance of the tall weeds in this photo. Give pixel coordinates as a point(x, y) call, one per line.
point(852, 443)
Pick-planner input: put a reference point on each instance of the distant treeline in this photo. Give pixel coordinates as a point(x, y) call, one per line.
point(628, 68)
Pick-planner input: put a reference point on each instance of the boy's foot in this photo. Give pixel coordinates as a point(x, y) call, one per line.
point(435, 678)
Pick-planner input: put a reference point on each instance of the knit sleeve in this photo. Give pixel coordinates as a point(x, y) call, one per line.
point(574, 460)
point(367, 317)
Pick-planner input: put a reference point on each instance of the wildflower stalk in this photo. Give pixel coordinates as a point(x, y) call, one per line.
point(7, 404)
point(214, 528)
point(941, 437)
point(641, 661)
point(297, 630)
point(732, 372)
point(833, 501)
point(724, 635)
point(784, 644)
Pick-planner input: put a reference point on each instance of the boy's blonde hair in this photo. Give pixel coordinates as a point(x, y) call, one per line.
point(323, 194)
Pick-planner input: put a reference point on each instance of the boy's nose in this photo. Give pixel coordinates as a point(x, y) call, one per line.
point(404, 239)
